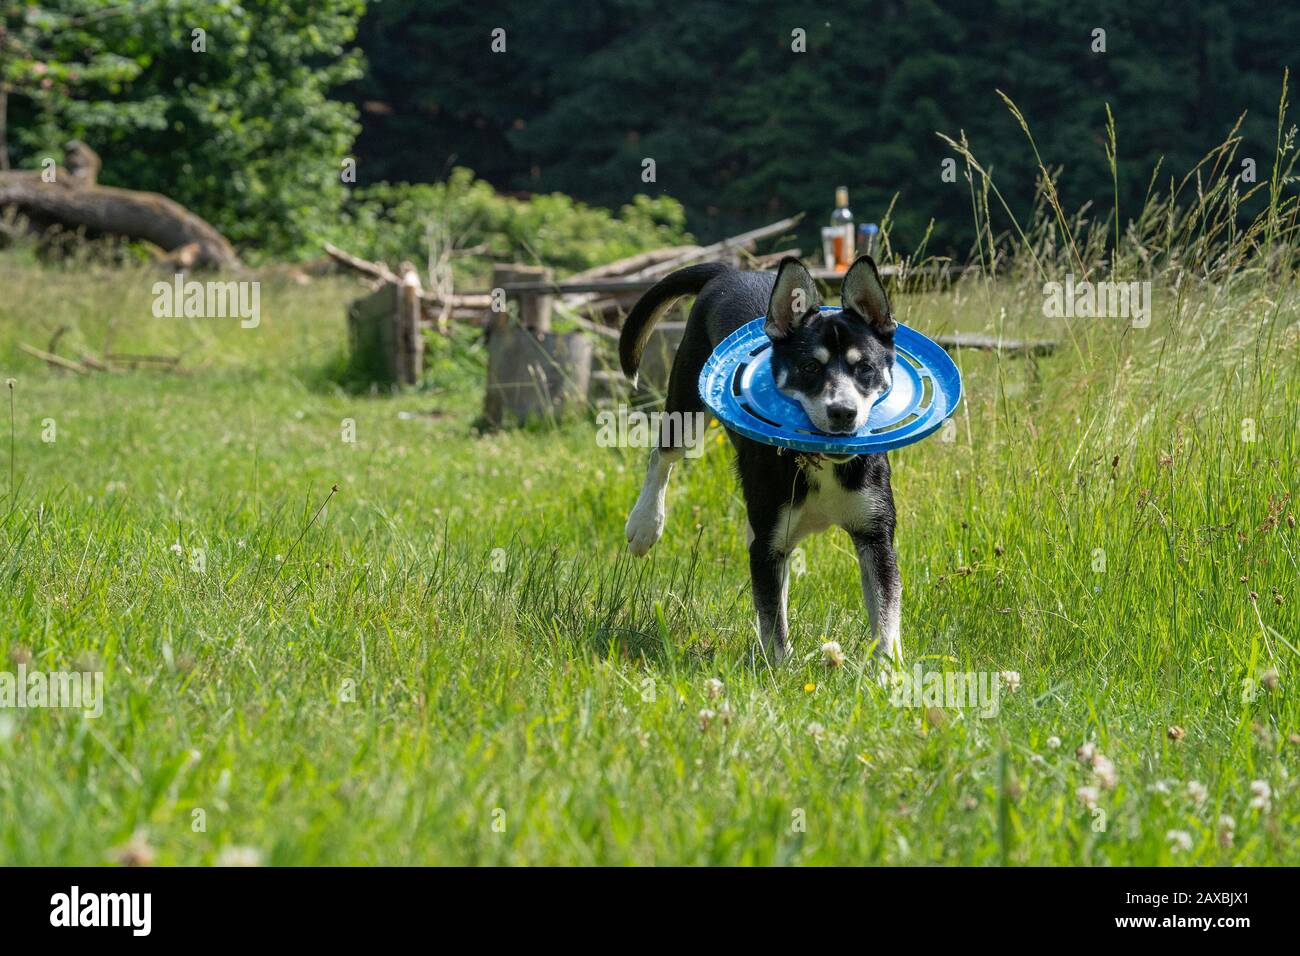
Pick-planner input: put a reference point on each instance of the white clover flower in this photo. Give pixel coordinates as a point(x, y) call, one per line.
point(1053, 742)
point(1085, 752)
point(1104, 771)
point(725, 712)
point(832, 654)
point(1197, 791)
point(176, 548)
point(239, 856)
point(816, 731)
point(1011, 679)
point(1260, 795)
point(1088, 796)
point(714, 688)
point(706, 717)
point(1180, 841)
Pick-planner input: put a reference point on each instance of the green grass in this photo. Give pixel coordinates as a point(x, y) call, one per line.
point(560, 682)
point(452, 659)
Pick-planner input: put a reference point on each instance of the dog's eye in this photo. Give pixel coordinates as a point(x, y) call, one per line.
point(810, 368)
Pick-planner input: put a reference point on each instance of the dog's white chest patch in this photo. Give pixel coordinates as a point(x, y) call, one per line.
point(829, 504)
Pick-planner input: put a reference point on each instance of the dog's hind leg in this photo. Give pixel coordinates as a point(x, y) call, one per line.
point(770, 579)
point(681, 434)
point(882, 590)
point(645, 523)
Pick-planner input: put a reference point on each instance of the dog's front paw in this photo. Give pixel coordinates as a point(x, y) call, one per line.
point(644, 528)
point(889, 669)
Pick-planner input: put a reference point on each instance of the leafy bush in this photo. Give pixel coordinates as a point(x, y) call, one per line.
point(395, 221)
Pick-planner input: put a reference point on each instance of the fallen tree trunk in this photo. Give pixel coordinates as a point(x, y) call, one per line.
point(76, 201)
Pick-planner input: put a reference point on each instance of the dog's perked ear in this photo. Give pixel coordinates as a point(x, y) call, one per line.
point(794, 298)
point(863, 293)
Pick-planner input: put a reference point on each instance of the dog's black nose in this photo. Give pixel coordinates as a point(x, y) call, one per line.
point(841, 417)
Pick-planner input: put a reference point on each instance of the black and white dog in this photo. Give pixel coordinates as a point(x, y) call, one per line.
point(835, 364)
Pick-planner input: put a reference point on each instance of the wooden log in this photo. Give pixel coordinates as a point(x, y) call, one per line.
point(967, 340)
point(461, 305)
point(90, 361)
point(376, 270)
point(458, 301)
point(50, 358)
point(769, 260)
point(134, 359)
point(633, 264)
point(640, 281)
point(720, 250)
point(74, 200)
point(531, 377)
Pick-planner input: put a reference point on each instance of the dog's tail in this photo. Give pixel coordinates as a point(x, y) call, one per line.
point(651, 307)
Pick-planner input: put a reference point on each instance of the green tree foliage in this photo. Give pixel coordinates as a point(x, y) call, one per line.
point(234, 122)
point(744, 129)
point(56, 71)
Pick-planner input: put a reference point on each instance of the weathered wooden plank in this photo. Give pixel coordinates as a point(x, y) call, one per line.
point(968, 340)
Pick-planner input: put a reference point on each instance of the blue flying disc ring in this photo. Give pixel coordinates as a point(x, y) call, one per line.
point(736, 384)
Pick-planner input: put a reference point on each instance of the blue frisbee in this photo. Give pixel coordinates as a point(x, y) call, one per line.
point(736, 384)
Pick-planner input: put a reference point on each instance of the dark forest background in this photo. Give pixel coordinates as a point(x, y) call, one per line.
point(742, 130)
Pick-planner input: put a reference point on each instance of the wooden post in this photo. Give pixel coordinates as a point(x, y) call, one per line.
point(369, 326)
point(534, 307)
point(532, 372)
point(384, 331)
point(532, 376)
